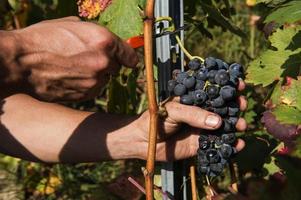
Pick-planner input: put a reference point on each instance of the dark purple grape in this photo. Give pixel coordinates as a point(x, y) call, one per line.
point(212, 91)
point(226, 66)
point(179, 90)
point(194, 64)
point(226, 150)
point(203, 138)
point(221, 111)
point(200, 97)
point(202, 157)
point(218, 141)
point(210, 63)
point(233, 81)
point(181, 76)
point(227, 92)
point(216, 168)
point(233, 109)
point(201, 74)
point(217, 102)
point(236, 70)
point(203, 169)
point(204, 145)
point(212, 156)
point(220, 63)
point(228, 138)
point(222, 77)
point(189, 82)
point(211, 76)
point(171, 85)
point(233, 120)
point(186, 99)
point(199, 85)
point(227, 126)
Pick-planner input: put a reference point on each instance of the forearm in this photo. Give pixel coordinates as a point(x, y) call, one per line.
point(46, 132)
point(11, 73)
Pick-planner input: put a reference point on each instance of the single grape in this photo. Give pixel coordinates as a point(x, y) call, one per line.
point(233, 81)
point(189, 82)
point(212, 91)
point(217, 102)
point(226, 150)
point(201, 74)
point(200, 97)
point(199, 85)
point(186, 99)
point(220, 63)
point(236, 70)
point(227, 92)
point(203, 169)
point(179, 90)
point(212, 156)
point(203, 138)
point(233, 120)
point(181, 76)
point(227, 126)
point(194, 64)
point(233, 109)
point(171, 84)
point(210, 63)
point(228, 138)
point(204, 145)
point(221, 111)
point(217, 168)
point(226, 66)
point(211, 76)
point(222, 77)
point(202, 157)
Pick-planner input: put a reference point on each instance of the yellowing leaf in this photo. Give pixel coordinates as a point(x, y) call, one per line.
point(251, 2)
point(292, 94)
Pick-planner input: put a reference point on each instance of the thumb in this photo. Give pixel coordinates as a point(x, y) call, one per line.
point(193, 116)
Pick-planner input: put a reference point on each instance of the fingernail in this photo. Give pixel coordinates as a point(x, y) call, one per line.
point(212, 121)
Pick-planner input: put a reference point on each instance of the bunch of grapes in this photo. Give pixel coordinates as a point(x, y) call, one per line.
point(211, 85)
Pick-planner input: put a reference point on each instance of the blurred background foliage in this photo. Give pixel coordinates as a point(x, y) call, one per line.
point(233, 30)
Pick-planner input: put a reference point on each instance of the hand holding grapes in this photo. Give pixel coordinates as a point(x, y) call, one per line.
point(177, 141)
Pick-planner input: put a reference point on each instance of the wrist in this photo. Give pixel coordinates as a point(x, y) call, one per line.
point(127, 143)
point(11, 72)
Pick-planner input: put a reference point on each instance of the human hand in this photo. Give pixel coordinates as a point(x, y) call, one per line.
point(69, 60)
point(177, 142)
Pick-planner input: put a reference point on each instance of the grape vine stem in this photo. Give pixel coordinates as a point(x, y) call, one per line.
point(193, 182)
point(152, 102)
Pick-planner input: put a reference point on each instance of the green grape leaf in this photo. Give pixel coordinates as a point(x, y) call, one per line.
point(280, 60)
point(123, 18)
point(286, 13)
point(292, 94)
point(250, 114)
point(287, 115)
point(271, 167)
point(276, 94)
point(271, 2)
point(15, 4)
point(215, 14)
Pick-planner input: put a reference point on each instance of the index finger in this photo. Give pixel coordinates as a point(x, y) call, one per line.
point(241, 85)
point(125, 54)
